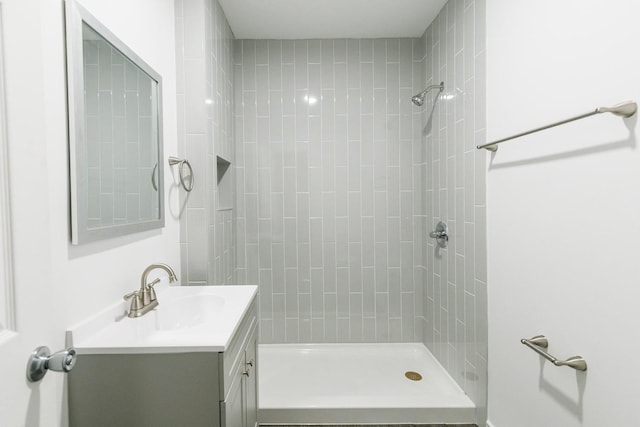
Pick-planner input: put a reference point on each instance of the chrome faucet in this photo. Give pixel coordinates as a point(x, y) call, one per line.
point(144, 299)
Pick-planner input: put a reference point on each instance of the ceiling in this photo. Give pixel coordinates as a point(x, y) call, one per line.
point(329, 19)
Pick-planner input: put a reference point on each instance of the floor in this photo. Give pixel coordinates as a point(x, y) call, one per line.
point(381, 425)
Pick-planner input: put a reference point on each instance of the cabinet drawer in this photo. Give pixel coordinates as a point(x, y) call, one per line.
point(234, 356)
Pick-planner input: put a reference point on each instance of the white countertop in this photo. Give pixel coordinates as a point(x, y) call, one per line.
point(187, 319)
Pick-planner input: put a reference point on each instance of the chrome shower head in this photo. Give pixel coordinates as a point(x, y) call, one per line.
point(419, 98)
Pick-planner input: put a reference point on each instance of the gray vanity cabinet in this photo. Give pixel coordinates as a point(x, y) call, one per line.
point(251, 382)
point(239, 373)
point(197, 389)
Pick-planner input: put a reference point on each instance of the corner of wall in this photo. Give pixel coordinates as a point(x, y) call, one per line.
point(205, 101)
point(455, 193)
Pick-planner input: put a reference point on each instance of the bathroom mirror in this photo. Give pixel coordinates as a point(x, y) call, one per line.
point(115, 133)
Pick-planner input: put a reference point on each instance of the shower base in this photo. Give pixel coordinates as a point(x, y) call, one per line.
point(357, 384)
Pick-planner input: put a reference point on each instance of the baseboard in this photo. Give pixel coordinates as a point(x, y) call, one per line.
point(490, 424)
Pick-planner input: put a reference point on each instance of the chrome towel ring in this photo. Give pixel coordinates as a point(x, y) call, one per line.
point(185, 180)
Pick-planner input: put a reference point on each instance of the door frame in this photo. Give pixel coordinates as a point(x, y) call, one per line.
point(7, 301)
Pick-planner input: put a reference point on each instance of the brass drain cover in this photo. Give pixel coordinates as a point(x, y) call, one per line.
point(413, 376)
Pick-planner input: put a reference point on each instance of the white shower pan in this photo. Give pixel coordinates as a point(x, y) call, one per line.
point(357, 384)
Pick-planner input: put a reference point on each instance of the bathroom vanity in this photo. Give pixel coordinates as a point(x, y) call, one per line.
point(190, 362)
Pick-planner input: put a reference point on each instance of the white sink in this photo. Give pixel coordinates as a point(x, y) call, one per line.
point(187, 319)
point(188, 311)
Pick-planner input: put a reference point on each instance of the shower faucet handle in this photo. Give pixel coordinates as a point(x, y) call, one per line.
point(441, 234)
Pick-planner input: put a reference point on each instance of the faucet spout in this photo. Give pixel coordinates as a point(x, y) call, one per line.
point(144, 300)
point(165, 267)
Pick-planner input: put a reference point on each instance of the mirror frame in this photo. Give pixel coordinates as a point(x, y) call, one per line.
point(75, 16)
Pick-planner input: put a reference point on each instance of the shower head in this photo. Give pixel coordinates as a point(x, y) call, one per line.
point(419, 98)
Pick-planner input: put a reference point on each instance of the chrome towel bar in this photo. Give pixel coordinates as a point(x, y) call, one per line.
point(624, 109)
point(539, 342)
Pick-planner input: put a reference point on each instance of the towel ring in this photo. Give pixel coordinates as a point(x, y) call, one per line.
point(183, 163)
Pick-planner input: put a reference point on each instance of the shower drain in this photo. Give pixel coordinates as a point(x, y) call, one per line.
point(413, 376)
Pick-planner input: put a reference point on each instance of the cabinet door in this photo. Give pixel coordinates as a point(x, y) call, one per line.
point(250, 382)
point(232, 409)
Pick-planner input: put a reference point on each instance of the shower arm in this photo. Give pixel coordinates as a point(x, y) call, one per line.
point(440, 86)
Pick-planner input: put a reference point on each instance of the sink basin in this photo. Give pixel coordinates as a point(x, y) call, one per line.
point(187, 319)
point(188, 311)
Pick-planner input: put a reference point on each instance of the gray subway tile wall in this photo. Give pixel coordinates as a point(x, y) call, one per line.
point(204, 50)
point(455, 298)
point(328, 173)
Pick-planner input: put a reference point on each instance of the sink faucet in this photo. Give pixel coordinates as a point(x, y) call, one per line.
point(144, 299)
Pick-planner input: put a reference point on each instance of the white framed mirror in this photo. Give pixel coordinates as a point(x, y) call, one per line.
point(115, 133)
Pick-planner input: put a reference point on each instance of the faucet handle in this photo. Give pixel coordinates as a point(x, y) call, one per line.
point(152, 292)
point(136, 300)
point(155, 282)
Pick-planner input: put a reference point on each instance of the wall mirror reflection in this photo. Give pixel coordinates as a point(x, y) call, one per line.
point(115, 138)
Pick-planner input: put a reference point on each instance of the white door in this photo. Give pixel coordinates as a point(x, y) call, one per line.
point(57, 284)
point(26, 313)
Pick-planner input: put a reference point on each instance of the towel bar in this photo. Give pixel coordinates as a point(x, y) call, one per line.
point(624, 109)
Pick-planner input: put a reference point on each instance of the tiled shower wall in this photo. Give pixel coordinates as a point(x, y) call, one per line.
point(455, 301)
point(205, 130)
point(329, 187)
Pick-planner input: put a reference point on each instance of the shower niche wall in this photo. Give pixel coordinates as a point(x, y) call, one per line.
point(224, 180)
point(206, 139)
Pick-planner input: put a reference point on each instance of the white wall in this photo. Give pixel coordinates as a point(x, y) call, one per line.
point(563, 212)
point(90, 276)
point(70, 282)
